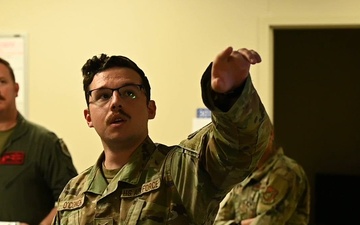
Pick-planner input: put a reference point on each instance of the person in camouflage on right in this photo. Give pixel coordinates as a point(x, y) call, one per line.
point(276, 193)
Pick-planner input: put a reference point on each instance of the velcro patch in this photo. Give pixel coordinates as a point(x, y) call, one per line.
point(269, 195)
point(71, 204)
point(64, 148)
point(12, 158)
point(147, 187)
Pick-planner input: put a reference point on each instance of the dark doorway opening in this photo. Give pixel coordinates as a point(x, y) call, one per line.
point(317, 112)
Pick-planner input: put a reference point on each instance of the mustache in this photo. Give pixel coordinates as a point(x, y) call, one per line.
point(118, 112)
point(122, 112)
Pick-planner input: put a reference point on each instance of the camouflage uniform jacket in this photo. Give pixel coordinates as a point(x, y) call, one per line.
point(180, 184)
point(277, 193)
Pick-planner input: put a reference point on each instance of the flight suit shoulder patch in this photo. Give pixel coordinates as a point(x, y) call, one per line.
point(64, 148)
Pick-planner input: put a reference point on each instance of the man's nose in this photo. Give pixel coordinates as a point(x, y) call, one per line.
point(115, 100)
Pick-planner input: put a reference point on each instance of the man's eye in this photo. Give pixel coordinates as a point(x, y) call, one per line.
point(102, 95)
point(129, 94)
point(105, 96)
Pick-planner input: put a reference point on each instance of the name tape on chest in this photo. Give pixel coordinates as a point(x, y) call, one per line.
point(147, 187)
point(12, 158)
point(73, 204)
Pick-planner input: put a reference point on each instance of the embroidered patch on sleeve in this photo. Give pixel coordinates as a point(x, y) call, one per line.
point(268, 197)
point(64, 148)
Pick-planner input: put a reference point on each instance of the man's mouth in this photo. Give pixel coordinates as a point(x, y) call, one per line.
point(119, 120)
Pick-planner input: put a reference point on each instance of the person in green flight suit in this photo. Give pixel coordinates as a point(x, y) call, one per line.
point(35, 164)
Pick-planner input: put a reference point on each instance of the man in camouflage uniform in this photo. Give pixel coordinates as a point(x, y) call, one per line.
point(277, 192)
point(136, 181)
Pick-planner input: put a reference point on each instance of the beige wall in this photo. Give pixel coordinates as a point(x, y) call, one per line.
point(172, 40)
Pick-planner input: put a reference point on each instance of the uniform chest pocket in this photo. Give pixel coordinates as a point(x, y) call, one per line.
point(71, 211)
point(71, 217)
point(146, 212)
point(135, 211)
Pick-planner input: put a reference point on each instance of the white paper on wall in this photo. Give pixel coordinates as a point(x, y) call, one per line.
point(203, 117)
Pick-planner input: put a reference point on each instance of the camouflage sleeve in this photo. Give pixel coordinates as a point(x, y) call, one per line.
point(238, 136)
point(217, 157)
point(226, 214)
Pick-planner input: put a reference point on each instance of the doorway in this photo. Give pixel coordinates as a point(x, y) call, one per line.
point(316, 97)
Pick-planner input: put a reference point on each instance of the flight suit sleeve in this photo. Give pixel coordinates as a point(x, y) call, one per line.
point(57, 165)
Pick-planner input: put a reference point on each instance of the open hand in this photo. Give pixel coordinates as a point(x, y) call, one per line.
point(231, 68)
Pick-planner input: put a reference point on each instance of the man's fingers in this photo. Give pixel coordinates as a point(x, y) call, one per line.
point(225, 54)
point(251, 55)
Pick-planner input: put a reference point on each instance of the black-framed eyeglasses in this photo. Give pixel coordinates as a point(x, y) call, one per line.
point(101, 96)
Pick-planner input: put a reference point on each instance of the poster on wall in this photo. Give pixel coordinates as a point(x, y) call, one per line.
point(12, 49)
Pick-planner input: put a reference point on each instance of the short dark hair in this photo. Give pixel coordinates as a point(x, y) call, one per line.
point(103, 62)
point(7, 64)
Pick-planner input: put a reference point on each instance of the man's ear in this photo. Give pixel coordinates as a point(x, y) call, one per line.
point(151, 109)
point(16, 89)
point(88, 117)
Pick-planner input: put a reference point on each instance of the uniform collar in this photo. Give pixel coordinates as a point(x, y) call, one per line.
point(130, 173)
point(20, 129)
point(20, 124)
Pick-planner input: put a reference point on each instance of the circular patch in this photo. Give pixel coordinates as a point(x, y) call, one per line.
point(64, 148)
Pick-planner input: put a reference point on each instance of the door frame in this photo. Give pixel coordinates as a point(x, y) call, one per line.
point(264, 79)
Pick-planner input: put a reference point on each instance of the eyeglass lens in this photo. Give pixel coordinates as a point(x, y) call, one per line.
point(127, 92)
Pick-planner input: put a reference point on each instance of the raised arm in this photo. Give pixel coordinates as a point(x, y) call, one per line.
point(220, 155)
point(231, 68)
